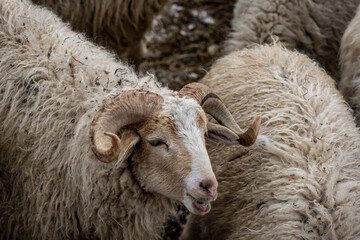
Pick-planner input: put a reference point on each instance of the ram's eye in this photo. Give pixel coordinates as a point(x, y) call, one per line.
point(157, 142)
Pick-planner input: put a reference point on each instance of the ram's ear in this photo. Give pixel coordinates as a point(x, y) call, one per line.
point(220, 134)
point(129, 139)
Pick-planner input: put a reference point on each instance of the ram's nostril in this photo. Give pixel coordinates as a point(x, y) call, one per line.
point(205, 185)
point(209, 186)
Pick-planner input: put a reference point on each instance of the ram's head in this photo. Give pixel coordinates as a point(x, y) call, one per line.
point(164, 137)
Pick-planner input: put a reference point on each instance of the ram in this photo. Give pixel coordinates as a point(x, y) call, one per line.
point(117, 24)
point(350, 65)
point(64, 103)
point(312, 27)
point(301, 179)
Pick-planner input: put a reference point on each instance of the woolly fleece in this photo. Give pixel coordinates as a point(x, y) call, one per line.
point(51, 185)
point(313, 27)
point(118, 24)
point(301, 179)
point(350, 65)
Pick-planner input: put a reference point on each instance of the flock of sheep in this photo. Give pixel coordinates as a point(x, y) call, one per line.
point(91, 150)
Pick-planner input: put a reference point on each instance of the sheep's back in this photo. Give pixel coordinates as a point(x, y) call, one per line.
point(301, 178)
point(115, 24)
point(312, 27)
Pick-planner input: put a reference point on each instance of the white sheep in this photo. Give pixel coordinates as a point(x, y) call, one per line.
point(349, 84)
point(118, 24)
point(312, 27)
point(301, 179)
point(53, 83)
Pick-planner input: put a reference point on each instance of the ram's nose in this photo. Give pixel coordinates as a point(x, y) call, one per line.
point(209, 187)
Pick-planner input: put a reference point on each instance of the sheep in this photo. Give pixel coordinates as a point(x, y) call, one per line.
point(301, 179)
point(119, 25)
point(66, 103)
point(350, 64)
point(312, 27)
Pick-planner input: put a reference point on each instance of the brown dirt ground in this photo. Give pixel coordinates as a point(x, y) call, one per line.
point(186, 38)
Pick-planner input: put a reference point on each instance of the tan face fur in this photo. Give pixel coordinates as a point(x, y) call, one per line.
point(161, 161)
point(170, 157)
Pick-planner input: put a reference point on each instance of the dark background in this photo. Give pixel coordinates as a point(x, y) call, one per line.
point(186, 38)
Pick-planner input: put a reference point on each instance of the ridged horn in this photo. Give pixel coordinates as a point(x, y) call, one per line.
point(248, 138)
point(212, 105)
point(129, 107)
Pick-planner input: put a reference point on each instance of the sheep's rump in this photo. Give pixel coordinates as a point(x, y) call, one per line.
point(312, 27)
point(118, 24)
point(301, 180)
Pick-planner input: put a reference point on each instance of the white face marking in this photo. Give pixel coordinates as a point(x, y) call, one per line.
point(185, 113)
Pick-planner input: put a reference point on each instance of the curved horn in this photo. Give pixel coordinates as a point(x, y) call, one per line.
point(129, 107)
point(248, 138)
point(212, 105)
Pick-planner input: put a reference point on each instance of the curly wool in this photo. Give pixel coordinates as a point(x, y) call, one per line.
point(312, 27)
point(350, 65)
point(301, 180)
point(51, 185)
point(120, 25)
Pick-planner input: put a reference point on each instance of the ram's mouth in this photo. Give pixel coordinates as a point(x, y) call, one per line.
point(201, 205)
